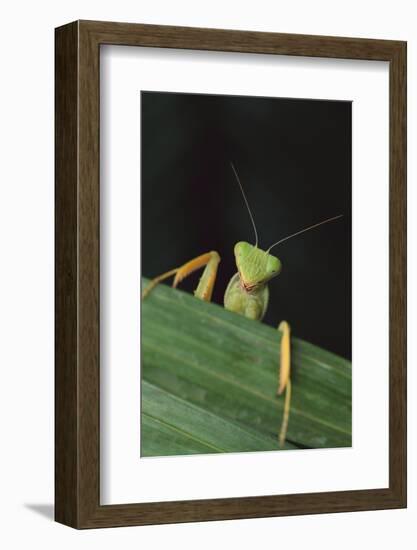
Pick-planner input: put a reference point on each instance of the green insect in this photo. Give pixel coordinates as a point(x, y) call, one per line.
point(247, 292)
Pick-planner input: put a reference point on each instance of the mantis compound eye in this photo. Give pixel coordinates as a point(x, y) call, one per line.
point(273, 265)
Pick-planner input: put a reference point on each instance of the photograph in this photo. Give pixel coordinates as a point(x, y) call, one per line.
point(246, 263)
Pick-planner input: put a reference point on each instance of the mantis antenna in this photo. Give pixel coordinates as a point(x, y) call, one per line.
point(305, 229)
point(247, 204)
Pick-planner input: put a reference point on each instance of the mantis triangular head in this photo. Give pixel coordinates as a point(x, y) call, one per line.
point(256, 267)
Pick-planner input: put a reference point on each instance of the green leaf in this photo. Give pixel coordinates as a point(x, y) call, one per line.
point(209, 379)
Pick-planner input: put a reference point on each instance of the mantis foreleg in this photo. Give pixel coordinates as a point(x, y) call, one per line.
point(284, 377)
point(205, 286)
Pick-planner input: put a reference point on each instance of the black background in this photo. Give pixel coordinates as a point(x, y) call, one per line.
point(294, 160)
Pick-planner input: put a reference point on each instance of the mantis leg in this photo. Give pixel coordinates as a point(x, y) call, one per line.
point(284, 377)
point(205, 286)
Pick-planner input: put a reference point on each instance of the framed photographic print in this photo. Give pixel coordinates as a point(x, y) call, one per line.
point(230, 274)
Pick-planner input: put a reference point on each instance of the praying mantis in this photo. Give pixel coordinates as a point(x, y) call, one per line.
point(247, 292)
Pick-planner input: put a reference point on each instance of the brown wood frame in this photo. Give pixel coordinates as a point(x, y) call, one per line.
point(77, 274)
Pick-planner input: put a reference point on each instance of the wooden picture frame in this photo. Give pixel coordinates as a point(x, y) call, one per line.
point(77, 382)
